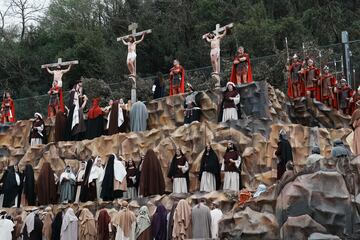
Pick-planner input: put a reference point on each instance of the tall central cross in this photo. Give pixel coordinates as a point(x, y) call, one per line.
point(132, 28)
point(60, 63)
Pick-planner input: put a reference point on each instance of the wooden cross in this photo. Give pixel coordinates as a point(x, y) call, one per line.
point(132, 27)
point(219, 29)
point(61, 63)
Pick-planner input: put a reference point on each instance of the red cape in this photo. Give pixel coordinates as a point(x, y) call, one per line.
point(182, 82)
point(335, 102)
point(95, 110)
point(61, 101)
point(319, 93)
point(290, 87)
point(249, 74)
point(11, 116)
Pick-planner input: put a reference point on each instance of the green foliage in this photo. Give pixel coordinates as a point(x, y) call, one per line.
point(87, 29)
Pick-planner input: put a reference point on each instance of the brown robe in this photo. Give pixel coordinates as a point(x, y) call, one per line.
point(45, 185)
point(182, 221)
point(124, 219)
point(47, 221)
point(145, 235)
point(87, 227)
point(103, 225)
point(60, 126)
point(151, 169)
point(355, 123)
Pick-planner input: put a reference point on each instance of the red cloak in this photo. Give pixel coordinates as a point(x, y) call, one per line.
point(233, 70)
point(336, 102)
point(95, 110)
point(181, 70)
point(290, 86)
point(11, 114)
point(319, 93)
point(61, 106)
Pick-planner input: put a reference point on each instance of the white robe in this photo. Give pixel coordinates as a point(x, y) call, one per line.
point(69, 227)
point(6, 227)
point(231, 113)
point(216, 215)
point(98, 174)
point(232, 179)
point(208, 182)
point(180, 184)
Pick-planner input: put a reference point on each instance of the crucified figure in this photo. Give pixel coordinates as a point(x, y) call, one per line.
point(214, 40)
point(131, 57)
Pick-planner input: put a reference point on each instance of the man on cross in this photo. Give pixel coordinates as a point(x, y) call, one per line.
point(131, 57)
point(58, 73)
point(214, 40)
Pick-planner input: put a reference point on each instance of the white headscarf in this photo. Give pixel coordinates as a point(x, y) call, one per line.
point(68, 218)
point(119, 169)
point(261, 188)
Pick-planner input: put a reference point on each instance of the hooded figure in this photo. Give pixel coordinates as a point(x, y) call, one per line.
point(87, 225)
point(209, 174)
point(11, 187)
point(69, 226)
point(232, 168)
point(67, 185)
point(132, 179)
point(179, 172)
point(79, 180)
point(45, 185)
point(95, 122)
point(47, 220)
point(230, 106)
point(117, 118)
point(138, 117)
point(115, 173)
point(32, 228)
point(88, 189)
point(96, 176)
point(103, 222)
point(29, 185)
point(182, 221)
point(60, 126)
point(125, 223)
point(314, 157)
point(216, 216)
point(56, 226)
point(37, 133)
point(192, 105)
point(150, 168)
point(201, 221)
point(284, 153)
point(159, 223)
point(339, 150)
point(143, 224)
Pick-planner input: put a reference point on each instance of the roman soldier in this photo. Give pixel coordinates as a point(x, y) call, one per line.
point(295, 80)
point(7, 109)
point(354, 99)
point(177, 78)
point(343, 96)
point(241, 70)
point(311, 77)
point(327, 83)
point(56, 102)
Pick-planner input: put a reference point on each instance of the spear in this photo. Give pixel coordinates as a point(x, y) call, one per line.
point(288, 63)
point(321, 82)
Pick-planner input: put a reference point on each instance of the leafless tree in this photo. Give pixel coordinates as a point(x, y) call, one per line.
point(26, 11)
point(3, 15)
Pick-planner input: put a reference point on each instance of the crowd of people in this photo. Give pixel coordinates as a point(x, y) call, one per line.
point(306, 79)
point(117, 220)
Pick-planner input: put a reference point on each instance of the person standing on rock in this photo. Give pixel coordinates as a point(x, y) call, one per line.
point(177, 78)
point(241, 70)
point(37, 133)
point(355, 123)
point(138, 117)
point(67, 184)
point(7, 109)
point(192, 107)
point(232, 167)
point(283, 153)
point(179, 172)
point(209, 174)
point(216, 216)
point(132, 179)
point(230, 106)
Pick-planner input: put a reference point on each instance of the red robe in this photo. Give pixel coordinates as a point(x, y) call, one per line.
point(95, 110)
point(11, 114)
point(290, 81)
point(337, 95)
point(233, 70)
point(319, 94)
point(181, 70)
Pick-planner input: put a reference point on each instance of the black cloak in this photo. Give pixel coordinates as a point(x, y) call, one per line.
point(56, 226)
point(284, 154)
point(210, 163)
point(173, 169)
point(10, 188)
point(29, 185)
point(87, 192)
point(107, 186)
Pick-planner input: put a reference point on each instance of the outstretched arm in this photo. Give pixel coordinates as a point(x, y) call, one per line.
point(49, 71)
point(223, 34)
point(207, 38)
point(125, 42)
point(66, 70)
point(142, 38)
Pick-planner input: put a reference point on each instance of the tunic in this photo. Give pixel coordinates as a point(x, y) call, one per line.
point(216, 215)
point(192, 110)
point(229, 106)
point(201, 220)
point(232, 180)
point(67, 187)
point(36, 133)
point(179, 172)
